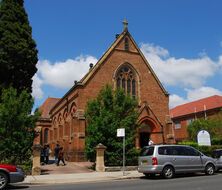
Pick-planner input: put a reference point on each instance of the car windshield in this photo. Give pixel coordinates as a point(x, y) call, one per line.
point(147, 151)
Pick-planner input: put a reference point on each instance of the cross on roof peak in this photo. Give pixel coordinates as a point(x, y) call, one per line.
point(125, 24)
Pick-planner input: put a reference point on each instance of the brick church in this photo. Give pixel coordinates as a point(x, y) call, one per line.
point(122, 65)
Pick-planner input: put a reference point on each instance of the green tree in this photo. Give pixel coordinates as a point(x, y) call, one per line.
point(18, 53)
point(212, 125)
point(105, 114)
point(16, 126)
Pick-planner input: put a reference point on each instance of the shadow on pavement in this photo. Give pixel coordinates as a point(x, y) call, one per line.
point(17, 186)
point(158, 176)
point(69, 168)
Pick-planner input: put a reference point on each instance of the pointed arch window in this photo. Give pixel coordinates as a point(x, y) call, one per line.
point(126, 79)
point(46, 135)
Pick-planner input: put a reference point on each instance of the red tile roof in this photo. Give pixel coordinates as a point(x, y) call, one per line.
point(208, 103)
point(47, 106)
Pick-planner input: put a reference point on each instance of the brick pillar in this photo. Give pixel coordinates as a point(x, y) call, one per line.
point(100, 149)
point(170, 137)
point(169, 131)
point(36, 170)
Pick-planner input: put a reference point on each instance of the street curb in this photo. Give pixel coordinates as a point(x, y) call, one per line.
point(78, 180)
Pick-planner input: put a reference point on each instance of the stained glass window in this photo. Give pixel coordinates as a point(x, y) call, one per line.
point(125, 79)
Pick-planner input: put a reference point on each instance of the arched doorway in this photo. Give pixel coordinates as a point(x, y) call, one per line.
point(145, 132)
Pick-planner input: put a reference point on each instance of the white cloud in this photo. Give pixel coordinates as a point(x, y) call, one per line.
point(36, 87)
point(220, 61)
point(176, 100)
point(202, 92)
point(60, 74)
point(190, 74)
point(193, 94)
point(178, 72)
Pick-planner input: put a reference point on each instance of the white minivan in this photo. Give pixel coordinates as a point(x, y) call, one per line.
point(169, 160)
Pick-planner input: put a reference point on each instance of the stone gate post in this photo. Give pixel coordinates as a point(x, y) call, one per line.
point(36, 170)
point(100, 149)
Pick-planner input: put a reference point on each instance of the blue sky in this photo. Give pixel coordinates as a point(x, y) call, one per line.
point(181, 39)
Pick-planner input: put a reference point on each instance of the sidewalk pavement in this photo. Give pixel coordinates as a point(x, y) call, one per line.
point(81, 177)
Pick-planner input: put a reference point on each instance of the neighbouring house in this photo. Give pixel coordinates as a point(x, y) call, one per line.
point(44, 123)
point(183, 115)
point(123, 65)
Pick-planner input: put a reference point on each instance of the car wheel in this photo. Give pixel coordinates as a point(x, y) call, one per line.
point(168, 172)
point(209, 169)
point(3, 180)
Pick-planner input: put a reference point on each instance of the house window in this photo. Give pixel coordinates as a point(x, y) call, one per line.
point(189, 121)
point(177, 125)
point(125, 79)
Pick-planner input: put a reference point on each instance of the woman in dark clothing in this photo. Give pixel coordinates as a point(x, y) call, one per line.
point(56, 153)
point(61, 156)
point(47, 150)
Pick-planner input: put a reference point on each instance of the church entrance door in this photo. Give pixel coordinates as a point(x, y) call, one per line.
point(144, 139)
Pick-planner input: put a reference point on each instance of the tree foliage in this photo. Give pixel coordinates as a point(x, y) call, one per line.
point(18, 53)
point(105, 114)
point(212, 125)
point(16, 126)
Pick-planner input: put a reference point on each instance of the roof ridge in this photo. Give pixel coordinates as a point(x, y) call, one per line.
point(209, 97)
point(201, 105)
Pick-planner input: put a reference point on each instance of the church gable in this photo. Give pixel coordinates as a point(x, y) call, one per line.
point(122, 65)
point(124, 50)
point(126, 44)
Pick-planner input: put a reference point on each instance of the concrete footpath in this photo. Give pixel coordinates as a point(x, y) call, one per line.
point(81, 177)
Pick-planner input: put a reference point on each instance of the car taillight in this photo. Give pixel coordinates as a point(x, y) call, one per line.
point(154, 161)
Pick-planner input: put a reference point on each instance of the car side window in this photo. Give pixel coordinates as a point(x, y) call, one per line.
point(163, 150)
point(178, 151)
point(147, 151)
point(167, 150)
point(192, 152)
point(181, 151)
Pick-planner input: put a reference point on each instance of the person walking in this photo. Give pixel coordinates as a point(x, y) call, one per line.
point(56, 153)
point(61, 156)
point(47, 151)
point(150, 142)
point(42, 156)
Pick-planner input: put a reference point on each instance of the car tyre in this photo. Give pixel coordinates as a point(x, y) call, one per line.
point(209, 169)
point(168, 172)
point(3, 180)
